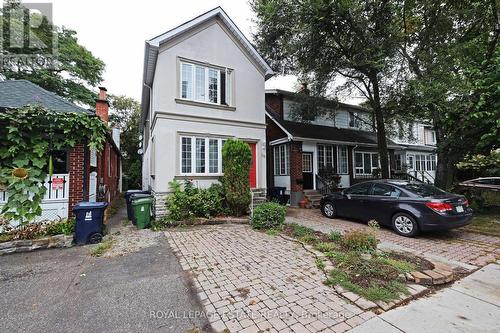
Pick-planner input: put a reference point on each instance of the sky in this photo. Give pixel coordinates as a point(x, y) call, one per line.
point(115, 32)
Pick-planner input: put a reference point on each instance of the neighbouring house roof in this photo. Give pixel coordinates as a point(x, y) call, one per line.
point(340, 105)
point(15, 94)
point(152, 46)
point(304, 131)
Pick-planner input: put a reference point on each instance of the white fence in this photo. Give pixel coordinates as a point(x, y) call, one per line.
point(55, 200)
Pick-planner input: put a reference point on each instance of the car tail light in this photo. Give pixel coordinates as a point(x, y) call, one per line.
point(439, 207)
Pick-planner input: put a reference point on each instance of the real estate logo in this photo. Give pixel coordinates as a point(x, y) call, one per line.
point(27, 36)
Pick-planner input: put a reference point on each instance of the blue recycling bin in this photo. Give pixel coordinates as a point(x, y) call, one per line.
point(89, 222)
point(128, 200)
point(136, 196)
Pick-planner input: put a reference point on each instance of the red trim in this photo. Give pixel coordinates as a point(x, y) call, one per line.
point(253, 169)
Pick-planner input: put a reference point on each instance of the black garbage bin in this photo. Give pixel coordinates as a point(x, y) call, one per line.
point(89, 222)
point(128, 200)
point(133, 197)
point(277, 194)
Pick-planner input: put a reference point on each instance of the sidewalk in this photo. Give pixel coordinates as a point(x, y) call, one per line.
point(470, 305)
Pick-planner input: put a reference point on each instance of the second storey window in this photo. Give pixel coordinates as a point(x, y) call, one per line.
point(206, 84)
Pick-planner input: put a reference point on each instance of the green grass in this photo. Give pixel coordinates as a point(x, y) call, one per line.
point(486, 222)
point(5, 237)
point(102, 248)
point(319, 263)
point(272, 232)
point(325, 247)
point(335, 236)
point(300, 231)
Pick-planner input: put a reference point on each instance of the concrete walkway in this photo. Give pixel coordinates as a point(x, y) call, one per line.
point(470, 305)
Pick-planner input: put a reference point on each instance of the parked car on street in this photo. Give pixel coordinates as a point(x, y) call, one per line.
point(485, 183)
point(408, 207)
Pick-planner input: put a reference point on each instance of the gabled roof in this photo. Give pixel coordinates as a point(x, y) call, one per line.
point(152, 46)
point(15, 94)
point(304, 131)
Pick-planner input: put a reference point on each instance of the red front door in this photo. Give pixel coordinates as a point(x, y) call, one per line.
point(253, 168)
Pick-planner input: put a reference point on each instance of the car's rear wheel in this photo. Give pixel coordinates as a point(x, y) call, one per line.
point(405, 225)
point(328, 210)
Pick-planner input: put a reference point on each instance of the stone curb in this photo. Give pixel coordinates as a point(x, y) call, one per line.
point(27, 245)
point(213, 221)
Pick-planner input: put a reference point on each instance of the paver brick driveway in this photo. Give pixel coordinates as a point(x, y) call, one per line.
point(457, 244)
point(250, 282)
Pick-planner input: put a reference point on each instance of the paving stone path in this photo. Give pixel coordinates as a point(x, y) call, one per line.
point(458, 245)
point(249, 281)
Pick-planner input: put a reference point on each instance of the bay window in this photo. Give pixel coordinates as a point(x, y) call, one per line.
point(206, 84)
point(326, 156)
point(201, 156)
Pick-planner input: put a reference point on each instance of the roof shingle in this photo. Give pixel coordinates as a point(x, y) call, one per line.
point(19, 93)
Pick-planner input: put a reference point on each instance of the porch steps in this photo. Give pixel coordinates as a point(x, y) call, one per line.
point(313, 197)
point(259, 196)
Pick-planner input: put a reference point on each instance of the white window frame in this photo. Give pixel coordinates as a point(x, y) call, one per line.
point(372, 168)
point(342, 161)
point(228, 85)
point(281, 159)
point(207, 156)
point(329, 150)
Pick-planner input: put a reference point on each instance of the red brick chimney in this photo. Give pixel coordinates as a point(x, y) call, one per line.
point(102, 105)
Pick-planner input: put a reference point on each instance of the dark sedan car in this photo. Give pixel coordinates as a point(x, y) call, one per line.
point(407, 207)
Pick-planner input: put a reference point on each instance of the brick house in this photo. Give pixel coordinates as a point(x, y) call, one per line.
point(343, 140)
point(80, 174)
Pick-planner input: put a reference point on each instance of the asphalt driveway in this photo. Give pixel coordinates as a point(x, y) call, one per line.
point(67, 290)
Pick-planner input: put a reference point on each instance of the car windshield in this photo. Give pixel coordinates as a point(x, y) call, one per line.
point(424, 190)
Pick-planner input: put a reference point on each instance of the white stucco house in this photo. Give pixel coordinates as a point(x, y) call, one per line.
point(203, 83)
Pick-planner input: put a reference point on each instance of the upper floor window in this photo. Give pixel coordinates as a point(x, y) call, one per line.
point(353, 119)
point(206, 84)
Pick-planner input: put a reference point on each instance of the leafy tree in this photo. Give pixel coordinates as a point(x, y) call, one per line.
point(69, 72)
point(321, 40)
point(451, 57)
point(237, 159)
point(125, 115)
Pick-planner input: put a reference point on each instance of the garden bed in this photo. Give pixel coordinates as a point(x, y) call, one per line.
point(369, 277)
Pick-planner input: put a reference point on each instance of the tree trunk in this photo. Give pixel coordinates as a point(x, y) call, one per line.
point(381, 134)
point(442, 174)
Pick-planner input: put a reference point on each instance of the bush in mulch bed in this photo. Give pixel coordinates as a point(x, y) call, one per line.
point(359, 267)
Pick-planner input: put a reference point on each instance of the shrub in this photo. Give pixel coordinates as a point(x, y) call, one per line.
point(193, 202)
point(268, 215)
point(360, 241)
point(66, 227)
point(237, 159)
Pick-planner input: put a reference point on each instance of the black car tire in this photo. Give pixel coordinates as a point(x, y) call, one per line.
point(405, 225)
point(328, 210)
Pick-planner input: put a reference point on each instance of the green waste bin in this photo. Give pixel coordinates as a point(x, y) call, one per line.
point(142, 211)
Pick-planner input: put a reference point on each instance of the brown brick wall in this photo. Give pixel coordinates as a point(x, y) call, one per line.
point(76, 170)
point(276, 103)
point(296, 166)
point(108, 175)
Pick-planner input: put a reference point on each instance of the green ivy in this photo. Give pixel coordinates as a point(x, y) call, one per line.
point(29, 135)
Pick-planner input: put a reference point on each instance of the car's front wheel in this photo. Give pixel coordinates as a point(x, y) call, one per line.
point(328, 209)
point(405, 225)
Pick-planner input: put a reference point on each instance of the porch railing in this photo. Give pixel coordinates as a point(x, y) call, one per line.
point(57, 188)
point(323, 186)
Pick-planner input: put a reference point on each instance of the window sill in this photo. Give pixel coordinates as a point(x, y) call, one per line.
point(199, 176)
point(204, 104)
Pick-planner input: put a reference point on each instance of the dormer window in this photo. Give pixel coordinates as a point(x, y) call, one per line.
point(207, 84)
